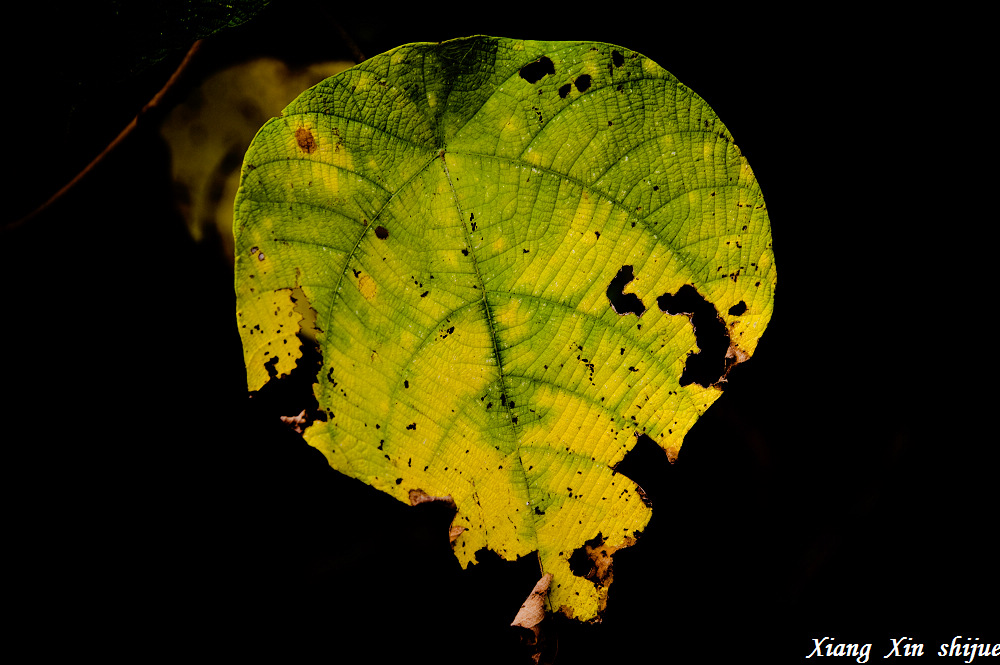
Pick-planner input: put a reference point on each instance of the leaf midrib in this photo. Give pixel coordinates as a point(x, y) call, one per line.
point(494, 338)
point(518, 162)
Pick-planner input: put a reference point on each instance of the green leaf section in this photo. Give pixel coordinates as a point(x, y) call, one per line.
point(454, 214)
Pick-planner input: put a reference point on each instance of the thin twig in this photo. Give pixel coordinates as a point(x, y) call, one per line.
point(152, 104)
point(349, 42)
point(356, 53)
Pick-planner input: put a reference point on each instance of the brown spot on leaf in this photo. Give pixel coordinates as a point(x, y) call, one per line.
point(305, 140)
point(381, 232)
point(419, 496)
point(734, 356)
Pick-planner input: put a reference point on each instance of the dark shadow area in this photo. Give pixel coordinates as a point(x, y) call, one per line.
point(290, 394)
point(647, 466)
point(841, 486)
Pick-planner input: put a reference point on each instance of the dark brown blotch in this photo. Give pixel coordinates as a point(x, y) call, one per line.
point(305, 140)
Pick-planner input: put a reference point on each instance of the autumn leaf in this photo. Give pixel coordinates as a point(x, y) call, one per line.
point(515, 257)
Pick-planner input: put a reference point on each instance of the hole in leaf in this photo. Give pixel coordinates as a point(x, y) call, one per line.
point(711, 364)
point(624, 303)
point(293, 392)
point(738, 308)
point(581, 562)
point(648, 466)
point(533, 72)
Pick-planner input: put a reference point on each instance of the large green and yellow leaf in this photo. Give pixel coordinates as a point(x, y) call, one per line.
point(515, 252)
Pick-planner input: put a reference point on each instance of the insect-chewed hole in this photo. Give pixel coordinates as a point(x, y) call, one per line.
point(624, 303)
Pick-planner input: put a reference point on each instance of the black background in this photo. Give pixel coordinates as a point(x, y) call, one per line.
point(839, 488)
